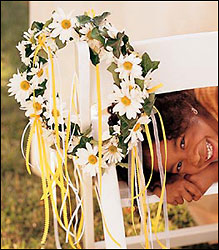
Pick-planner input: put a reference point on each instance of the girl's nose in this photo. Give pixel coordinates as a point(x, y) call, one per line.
point(194, 159)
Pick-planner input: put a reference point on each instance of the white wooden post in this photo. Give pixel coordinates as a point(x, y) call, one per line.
point(88, 239)
point(112, 210)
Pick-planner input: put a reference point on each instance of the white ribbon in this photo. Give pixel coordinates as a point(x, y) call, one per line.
point(160, 166)
point(83, 68)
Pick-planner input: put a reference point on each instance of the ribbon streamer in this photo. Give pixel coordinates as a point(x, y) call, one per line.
point(160, 166)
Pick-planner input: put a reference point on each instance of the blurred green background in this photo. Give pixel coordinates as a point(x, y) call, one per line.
point(22, 219)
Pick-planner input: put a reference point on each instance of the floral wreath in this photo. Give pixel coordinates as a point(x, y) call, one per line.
point(133, 94)
point(133, 98)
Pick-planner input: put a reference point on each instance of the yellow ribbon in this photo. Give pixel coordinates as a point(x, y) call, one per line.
point(142, 200)
point(46, 201)
point(41, 44)
point(152, 90)
point(58, 145)
point(152, 160)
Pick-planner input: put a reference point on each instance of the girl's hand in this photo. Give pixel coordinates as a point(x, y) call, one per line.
point(204, 179)
point(179, 190)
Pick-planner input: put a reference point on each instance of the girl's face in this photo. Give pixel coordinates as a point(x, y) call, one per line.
point(190, 153)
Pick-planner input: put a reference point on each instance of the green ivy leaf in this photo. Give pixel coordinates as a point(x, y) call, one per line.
point(59, 43)
point(37, 25)
point(148, 104)
point(94, 57)
point(140, 83)
point(97, 20)
point(123, 165)
point(116, 44)
point(123, 146)
point(125, 39)
point(123, 50)
point(147, 64)
point(83, 19)
point(48, 23)
point(95, 34)
point(116, 52)
point(42, 53)
point(126, 125)
point(23, 68)
point(111, 69)
point(28, 50)
point(87, 132)
point(42, 89)
point(75, 128)
point(43, 60)
point(82, 143)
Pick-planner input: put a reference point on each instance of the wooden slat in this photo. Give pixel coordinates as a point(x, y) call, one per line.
point(179, 237)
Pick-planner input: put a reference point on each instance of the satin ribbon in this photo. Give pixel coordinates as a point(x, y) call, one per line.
point(160, 165)
point(163, 182)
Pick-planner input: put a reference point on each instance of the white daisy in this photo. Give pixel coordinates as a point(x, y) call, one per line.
point(61, 112)
point(63, 25)
point(112, 153)
point(21, 47)
point(93, 43)
point(111, 30)
point(106, 56)
point(86, 32)
point(30, 38)
point(39, 73)
point(74, 142)
point(129, 68)
point(135, 133)
point(49, 41)
point(88, 160)
point(20, 87)
point(128, 102)
point(33, 106)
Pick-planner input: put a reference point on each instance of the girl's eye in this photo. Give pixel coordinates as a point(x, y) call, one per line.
point(179, 165)
point(182, 143)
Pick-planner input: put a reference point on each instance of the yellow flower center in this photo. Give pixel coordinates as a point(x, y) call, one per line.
point(37, 106)
point(130, 87)
point(89, 35)
point(66, 24)
point(92, 159)
point(126, 101)
point(40, 73)
point(25, 85)
point(113, 149)
point(53, 113)
point(137, 126)
point(127, 65)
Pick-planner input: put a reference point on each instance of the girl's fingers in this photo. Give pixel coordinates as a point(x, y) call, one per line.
point(187, 195)
point(175, 203)
point(179, 200)
point(193, 190)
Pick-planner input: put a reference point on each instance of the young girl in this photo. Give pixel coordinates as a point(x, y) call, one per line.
point(191, 124)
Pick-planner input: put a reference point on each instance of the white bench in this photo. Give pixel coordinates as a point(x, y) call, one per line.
point(195, 54)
